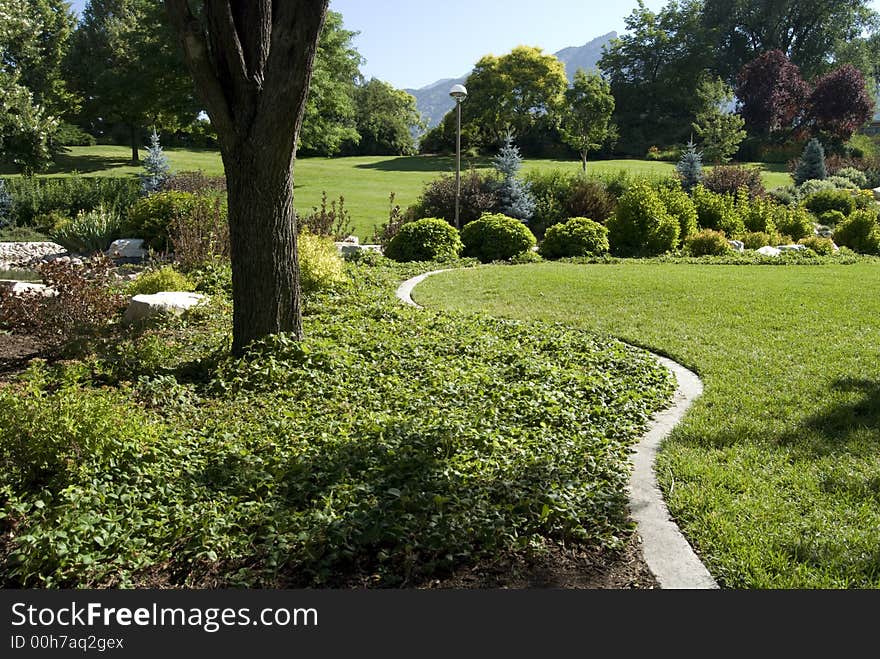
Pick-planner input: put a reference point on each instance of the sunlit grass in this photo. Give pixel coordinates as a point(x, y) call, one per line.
point(775, 475)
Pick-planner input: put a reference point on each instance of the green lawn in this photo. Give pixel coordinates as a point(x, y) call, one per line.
point(775, 475)
point(365, 182)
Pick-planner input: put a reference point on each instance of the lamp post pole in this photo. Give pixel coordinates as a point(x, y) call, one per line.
point(459, 93)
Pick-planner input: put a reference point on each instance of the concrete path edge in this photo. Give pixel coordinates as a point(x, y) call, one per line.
point(668, 554)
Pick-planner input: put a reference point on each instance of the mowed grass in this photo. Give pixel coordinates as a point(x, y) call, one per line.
point(365, 183)
point(775, 474)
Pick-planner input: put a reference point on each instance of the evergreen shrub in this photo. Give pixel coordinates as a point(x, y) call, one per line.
point(496, 238)
point(679, 204)
point(577, 237)
point(429, 239)
point(860, 232)
point(811, 166)
point(717, 212)
point(641, 225)
point(830, 200)
point(708, 243)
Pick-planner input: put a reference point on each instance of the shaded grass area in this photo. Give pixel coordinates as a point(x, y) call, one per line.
point(775, 474)
point(365, 182)
point(389, 448)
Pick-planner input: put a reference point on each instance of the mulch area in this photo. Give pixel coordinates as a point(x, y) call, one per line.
point(557, 567)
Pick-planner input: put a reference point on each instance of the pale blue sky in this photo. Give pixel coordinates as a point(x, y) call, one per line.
point(412, 43)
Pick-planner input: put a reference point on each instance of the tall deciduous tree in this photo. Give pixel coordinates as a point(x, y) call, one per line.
point(809, 32)
point(252, 64)
point(586, 120)
point(656, 71)
point(839, 104)
point(331, 113)
point(772, 94)
point(720, 131)
point(386, 119)
point(125, 63)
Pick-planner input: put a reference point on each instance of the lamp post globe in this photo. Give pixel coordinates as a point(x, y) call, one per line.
point(459, 93)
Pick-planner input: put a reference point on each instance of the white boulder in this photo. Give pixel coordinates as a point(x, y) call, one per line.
point(792, 248)
point(738, 246)
point(143, 307)
point(876, 194)
point(26, 288)
point(770, 251)
point(127, 248)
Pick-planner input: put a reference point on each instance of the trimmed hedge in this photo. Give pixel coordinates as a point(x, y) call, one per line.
point(577, 237)
point(429, 239)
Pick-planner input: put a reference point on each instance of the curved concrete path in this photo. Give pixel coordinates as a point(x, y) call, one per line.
point(668, 554)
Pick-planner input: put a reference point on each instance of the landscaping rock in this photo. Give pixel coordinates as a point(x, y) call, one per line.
point(824, 232)
point(143, 307)
point(792, 248)
point(876, 194)
point(23, 255)
point(25, 288)
point(738, 246)
point(770, 251)
point(127, 248)
point(345, 249)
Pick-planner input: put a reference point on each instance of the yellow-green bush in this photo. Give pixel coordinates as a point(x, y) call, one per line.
point(163, 280)
point(320, 266)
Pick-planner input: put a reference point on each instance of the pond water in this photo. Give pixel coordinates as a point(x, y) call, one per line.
point(21, 275)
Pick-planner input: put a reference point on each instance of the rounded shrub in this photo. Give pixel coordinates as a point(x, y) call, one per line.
point(830, 200)
point(813, 186)
point(758, 216)
point(831, 218)
point(730, 179)
point(320, 266)
point(717, 212)
point(679, 205)
point(642, 226)
point(577, 237)
point(496, 238)
point(795, 222)
point(708, 243)
point(759, 239)
point(855, 176)
point(841, 183)
point(163, 280)
point(822, 246)
point(430, 239)
point(860, 232)
point(589, 198)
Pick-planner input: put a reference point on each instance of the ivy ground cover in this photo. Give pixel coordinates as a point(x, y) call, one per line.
point(388, 448)
point(775, 474)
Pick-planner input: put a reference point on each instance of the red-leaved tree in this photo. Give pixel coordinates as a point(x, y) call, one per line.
point(771, 93)
point(840, 103)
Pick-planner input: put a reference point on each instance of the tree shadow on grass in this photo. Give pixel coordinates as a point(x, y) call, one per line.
point(439, 164)
point(65, 164)
point(838, 427)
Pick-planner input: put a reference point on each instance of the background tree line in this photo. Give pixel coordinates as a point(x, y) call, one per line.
point(117, 72)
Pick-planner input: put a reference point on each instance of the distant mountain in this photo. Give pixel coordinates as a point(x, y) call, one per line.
point(434, 102)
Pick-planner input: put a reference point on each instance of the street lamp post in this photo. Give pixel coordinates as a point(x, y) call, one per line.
point(459, 93)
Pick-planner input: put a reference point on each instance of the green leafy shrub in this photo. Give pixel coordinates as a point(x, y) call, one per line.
point(855, 176)
point(200, 234)
point(759, 239)
point(89, 232)
point(68, 196)
point(550, 189)
point(822, 246)
point(831, 218)
point(496, 238)
point(730, 179)
point(717, 212)
point(830, 200)
point(151, 217)
point(430, 239)
point(577, 237)
point(860, 232)
point(795, 222)
point(812, 187)
point(165, 279)
point(708, 243)
point(679, 205)
point(320, 266)
point(641, 225)
point(758, 216)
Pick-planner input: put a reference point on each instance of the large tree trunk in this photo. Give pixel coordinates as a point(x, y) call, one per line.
point(262, 231)
point(252, 63)
point(134, 144)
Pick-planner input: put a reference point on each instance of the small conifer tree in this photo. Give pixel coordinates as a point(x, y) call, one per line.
point(156, 166)
point(514, 195)
point(690, 167)
point(812, 164)
point(5, 205)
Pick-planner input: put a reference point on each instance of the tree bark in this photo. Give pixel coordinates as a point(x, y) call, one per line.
point(135, 157)
point(584, 160)
point(252, 63)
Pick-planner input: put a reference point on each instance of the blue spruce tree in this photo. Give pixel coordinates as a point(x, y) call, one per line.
point(690, 167)
point(514, 195)
point(156, 166)
point(5, 205)
point(812, 164)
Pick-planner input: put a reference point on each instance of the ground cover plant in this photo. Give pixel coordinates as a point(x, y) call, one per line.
point(390, 446)
point(773, 476)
